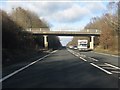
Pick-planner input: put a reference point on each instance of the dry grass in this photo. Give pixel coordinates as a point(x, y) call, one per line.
point(107, 51)
point(10, 57)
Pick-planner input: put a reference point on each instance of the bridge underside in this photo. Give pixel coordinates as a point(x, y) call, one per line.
point(79, 34)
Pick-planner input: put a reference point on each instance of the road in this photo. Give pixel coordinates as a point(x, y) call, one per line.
point(67, 69)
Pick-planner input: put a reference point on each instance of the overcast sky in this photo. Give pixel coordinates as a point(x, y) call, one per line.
point(61, 14)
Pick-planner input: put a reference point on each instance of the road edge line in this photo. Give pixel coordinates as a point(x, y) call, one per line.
point(17, 71)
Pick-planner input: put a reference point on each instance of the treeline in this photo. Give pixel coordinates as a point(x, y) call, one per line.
point(27, 19)
point(109, 24)
point(14, 36)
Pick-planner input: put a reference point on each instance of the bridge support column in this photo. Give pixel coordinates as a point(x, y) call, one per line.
point(92, 42)
point(45, 42)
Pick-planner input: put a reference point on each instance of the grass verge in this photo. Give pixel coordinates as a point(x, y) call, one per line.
point(107, 51)
point(10, 57)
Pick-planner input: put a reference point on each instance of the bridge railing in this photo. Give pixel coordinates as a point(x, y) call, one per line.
point(46, 30)
point(37, 29)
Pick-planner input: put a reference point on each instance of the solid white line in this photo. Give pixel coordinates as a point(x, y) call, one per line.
point(93, 59)
point(100, 68)
point(112, 66)
point(83, 59)
point(15, 72)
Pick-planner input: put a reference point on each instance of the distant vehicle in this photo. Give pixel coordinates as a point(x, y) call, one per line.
point(71, 47)
point(82, 45)
point(75, 47)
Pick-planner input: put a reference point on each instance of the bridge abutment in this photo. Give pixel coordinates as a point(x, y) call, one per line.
point(45, 41)
point(92, 42)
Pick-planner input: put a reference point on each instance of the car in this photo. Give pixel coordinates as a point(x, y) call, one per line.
point(70, 47)
point(75, 47)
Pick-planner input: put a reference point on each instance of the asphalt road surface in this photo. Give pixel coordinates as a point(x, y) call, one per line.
point(67, 69)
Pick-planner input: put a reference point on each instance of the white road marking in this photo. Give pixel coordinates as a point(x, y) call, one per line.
point(15, 72)
point(100, 68)
point(93, 59)
point(77, 55)
point(54, 51)
point(83, 59)
point(108, 67)
point(103, 65)
point(83, 55)
point(115, 72)
point(112, 66)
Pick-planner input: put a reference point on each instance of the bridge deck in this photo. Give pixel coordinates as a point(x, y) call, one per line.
point(66, 33)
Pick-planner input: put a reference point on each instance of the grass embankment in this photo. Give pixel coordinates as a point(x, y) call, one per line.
point(107, 51)
point(11, 57)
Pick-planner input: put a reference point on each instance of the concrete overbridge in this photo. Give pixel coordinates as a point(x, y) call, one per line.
point(87, 32)
point(45, 32)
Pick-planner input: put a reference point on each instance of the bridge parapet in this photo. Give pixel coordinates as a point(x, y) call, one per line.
point(91, 30)
point(42, 31)
point(37, 29)
point(48, 30)
point(86, 32)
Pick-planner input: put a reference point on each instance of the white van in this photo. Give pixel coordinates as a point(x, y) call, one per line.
point(83, 45)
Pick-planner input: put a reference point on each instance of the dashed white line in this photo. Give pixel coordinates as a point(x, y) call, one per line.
point(103, 65)
point(100, 68)
point(15, 72)
point(54, 51)
point(112, 66)
point(77, 55)
point(106, 64)
point(83, 59)
point(93, 59)
point(83, 55)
